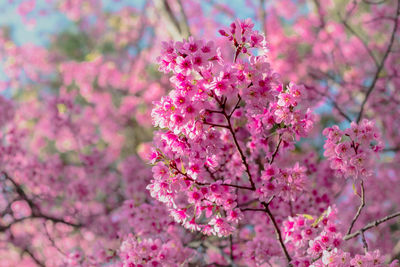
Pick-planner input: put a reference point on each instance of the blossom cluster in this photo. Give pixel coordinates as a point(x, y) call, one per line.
point(216, 110)
point(339, 258)
point(318, 242)
point(149, 252)
point(312, 236)
point(286, 183)
point(351, 151)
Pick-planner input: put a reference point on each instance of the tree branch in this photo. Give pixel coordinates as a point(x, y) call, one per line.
point(278, 233)
point(371, 225)
point(36, 260)
point(36, 213)
point(187, 177)
point(381, 65)
point(365, 244)
point(276, 151)
point(222, 104)
point(242, 156)
point(362, 204)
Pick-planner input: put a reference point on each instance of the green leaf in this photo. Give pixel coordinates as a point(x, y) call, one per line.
point(62, 108)
point(307, 216)
point(355, 189)
point(183, 168)
point(317, 221)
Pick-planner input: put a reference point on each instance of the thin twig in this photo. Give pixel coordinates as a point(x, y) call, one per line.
point(36, 260)
point(276, 150)
point(278, 233)
point(216, 125)
point(222, 104)
point(365, 244)
point(236, 106)
point(52, 240)
point(381, 65)
point(231, 248)
point(371, 225)
point(242, 156)
point(8, 226)
point(36, 213)
point(187, 177)
point(362, 204)
point(250, 209)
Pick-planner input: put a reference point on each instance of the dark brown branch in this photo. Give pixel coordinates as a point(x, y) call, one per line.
point(36, 213)
point(214, 111)
point(38, 216)
point(239, 186)
point(7, 209)
point(362, 205)
point(371, 225)
point(20, 192)
point(56, 220)
point(231, 248)
point(278, 233)
point(276, 151)
point(236, 106)
point(222, 104)
point(52, 241)
point(382, 63)
point(212, 175)
point(216, 125)
point(6, 227)
point(270, 199)
point(36, 260)
point(242, 156)
point(187, 177)
point(250, 209)
point(365, 244)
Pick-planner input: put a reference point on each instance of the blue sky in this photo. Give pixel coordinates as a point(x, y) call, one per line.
point(53, 21)
point(48, 24)
point(21, 33)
